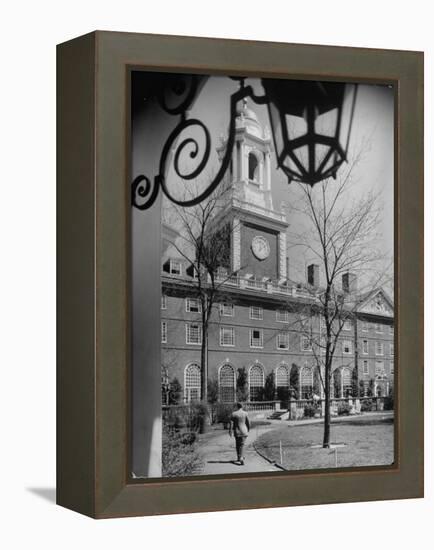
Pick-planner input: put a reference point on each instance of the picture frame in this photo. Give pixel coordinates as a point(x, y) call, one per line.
point(94, 299)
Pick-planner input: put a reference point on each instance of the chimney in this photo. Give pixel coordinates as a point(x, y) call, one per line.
point(349, 283)
point(313, 275)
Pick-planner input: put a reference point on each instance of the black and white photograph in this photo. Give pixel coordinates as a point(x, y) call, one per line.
point(276, 274)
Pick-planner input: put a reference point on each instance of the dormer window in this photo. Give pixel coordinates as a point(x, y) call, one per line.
point(175, 267)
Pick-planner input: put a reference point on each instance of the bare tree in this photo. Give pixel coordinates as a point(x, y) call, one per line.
point(204, 242)
point(340, 234)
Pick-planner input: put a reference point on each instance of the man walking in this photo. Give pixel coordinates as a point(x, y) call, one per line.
point(240, 427)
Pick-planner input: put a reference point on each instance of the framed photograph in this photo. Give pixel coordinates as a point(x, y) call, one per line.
point(240, 274)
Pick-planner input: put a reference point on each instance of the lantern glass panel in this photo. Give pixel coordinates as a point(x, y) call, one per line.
point(325, 124)
point(277, 130)
point(320, 154)
point(296, 126)
point(290, 164)
point(302, 154)
point(346, 117)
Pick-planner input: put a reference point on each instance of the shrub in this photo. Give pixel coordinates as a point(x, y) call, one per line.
point(179, 456)
point(175, 392)
point(198, 413)
point(309, 410)
point(366, 405)
point(388, 403)
point(242, 385)
point(344, 409)
point(224, 412)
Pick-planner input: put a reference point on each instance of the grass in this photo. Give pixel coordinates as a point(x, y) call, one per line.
point(367, 442)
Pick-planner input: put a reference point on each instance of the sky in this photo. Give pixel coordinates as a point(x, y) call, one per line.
point(373, 125)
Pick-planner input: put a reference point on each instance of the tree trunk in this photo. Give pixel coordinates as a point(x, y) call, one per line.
point(326, 437)
point(204, 374)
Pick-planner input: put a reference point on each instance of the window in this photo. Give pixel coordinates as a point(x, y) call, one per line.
point(163, 332)
point(379, 348)
point(192, 383)
point(193, 305)
point(378, 327)
point(306, 382)
point(227, 384)
point(175, 267)
point(365, 326)
point(163, 301)
point(365, 367)
point(392, 349)
point(347, 384)
point(253, 168)
point(282, 316)
point(282, 377)
point(348, 325)
point(227, 336)
point(306, 344)
point(193, 333)
point(379, 368)
point(365, 347)
point(283, 340)
point(347, 347)
point(256, 338)
point(227, 310)
point(256, 312)
point(391, 367)
point(256, 383)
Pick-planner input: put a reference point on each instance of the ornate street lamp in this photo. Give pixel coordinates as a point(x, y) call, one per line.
point(311, 125)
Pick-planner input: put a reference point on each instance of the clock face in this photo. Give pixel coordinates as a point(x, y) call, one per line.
point(260, 247)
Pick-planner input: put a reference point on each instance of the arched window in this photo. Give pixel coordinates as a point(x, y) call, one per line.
point(306, 382)
point(282, 377)
point(256, 383)
point(192, 383)
point(347, 383)
point(281, 382)
point(227, 384)
point(253, 168)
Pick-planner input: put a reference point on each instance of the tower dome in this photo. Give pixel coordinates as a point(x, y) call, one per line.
point(248, 119)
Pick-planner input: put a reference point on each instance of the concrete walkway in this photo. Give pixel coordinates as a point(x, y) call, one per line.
point(218, 449)
point(219, 455)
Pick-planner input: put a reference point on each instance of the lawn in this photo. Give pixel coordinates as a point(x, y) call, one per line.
point(366, 442)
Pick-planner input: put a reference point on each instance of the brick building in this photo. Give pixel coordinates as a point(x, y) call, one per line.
point(260, 321)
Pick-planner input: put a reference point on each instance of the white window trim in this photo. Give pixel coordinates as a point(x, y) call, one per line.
point(187, 325)
point(350, 352)
point(261, 313)
point(222, 329)
point(286, 334)
point(222, 310)
point(377, 371)
point(376, 348)
point(251, 338)
point(365, 371)
point(303, 337)
point(188, 305)
point(172, 262)
point(164, 332)
point(285, 311)
point(345, 325)
point(367, 347)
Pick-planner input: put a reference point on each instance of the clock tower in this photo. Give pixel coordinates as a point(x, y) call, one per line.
point(258, 236)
